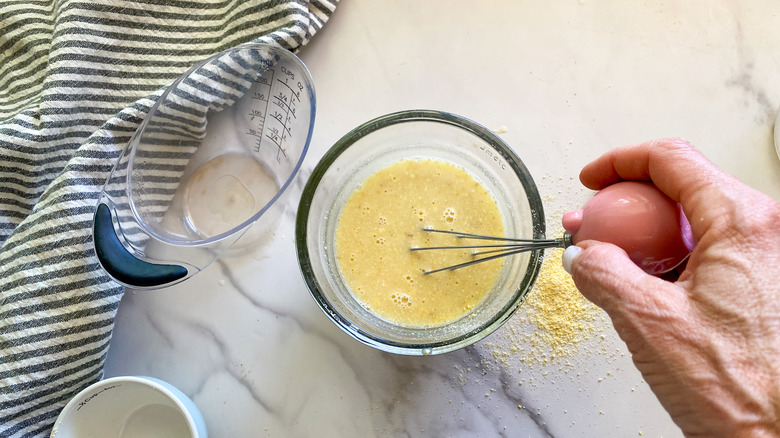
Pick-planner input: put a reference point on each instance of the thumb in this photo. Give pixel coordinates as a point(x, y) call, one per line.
point(605, 275)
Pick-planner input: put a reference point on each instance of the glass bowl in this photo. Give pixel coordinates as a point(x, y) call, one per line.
point(375, 145)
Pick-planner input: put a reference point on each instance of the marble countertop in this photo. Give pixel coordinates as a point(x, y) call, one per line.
point(563, 82)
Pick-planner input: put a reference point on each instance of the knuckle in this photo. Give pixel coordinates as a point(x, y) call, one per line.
point(751, 217)
point(671, 150)
point(673, 144)
point(765, 218)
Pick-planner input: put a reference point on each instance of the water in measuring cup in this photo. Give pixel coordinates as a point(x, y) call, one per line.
point(252, 137)
point(225, 192)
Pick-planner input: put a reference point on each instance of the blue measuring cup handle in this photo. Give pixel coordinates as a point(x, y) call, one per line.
point(124, 266)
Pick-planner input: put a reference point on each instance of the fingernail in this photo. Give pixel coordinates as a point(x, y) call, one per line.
point(568, 257)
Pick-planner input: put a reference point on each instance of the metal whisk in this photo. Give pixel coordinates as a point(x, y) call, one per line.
point(496, 250)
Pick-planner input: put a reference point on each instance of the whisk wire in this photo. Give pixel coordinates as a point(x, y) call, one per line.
point(497, 251)
point(508, 245)
point(461, 235)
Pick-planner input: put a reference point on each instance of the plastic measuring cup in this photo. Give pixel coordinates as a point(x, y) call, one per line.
point(206, 168)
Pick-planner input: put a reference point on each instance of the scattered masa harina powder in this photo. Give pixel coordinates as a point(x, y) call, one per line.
point(555, 326)
point(562, 316)
point(553, 321)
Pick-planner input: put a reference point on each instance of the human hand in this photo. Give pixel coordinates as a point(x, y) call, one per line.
point(708, 344)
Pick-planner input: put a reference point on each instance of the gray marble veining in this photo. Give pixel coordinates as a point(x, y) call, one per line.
point(566, 81)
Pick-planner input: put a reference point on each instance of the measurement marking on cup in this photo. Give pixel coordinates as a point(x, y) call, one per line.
point(261, 96)
point(277, 92)
point(257, 113)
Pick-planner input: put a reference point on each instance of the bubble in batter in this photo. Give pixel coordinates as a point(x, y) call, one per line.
point(390, 280)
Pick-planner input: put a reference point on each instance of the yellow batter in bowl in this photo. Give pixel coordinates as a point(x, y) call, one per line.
point(365, 205)
point(383, 218)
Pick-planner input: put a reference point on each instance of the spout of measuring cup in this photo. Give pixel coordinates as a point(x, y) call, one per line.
point(571, 221)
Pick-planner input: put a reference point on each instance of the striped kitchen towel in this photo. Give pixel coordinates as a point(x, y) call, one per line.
point(76, 79)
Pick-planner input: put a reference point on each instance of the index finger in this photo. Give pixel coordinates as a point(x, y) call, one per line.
point(676, 168)
point(673, 165)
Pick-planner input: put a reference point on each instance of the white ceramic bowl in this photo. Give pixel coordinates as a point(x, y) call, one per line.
point(130, 407)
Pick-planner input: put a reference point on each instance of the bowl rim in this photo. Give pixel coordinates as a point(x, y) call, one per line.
point(344, 143)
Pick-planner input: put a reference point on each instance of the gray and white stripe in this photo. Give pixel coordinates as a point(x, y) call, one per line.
point(76, 78)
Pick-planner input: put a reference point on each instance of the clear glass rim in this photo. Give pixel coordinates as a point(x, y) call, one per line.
point(302, 218)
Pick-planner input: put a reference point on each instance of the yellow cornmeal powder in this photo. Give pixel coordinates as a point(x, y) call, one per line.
point(553, 321)
point(560, 312)
point(560, 316)
point(384, 217)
